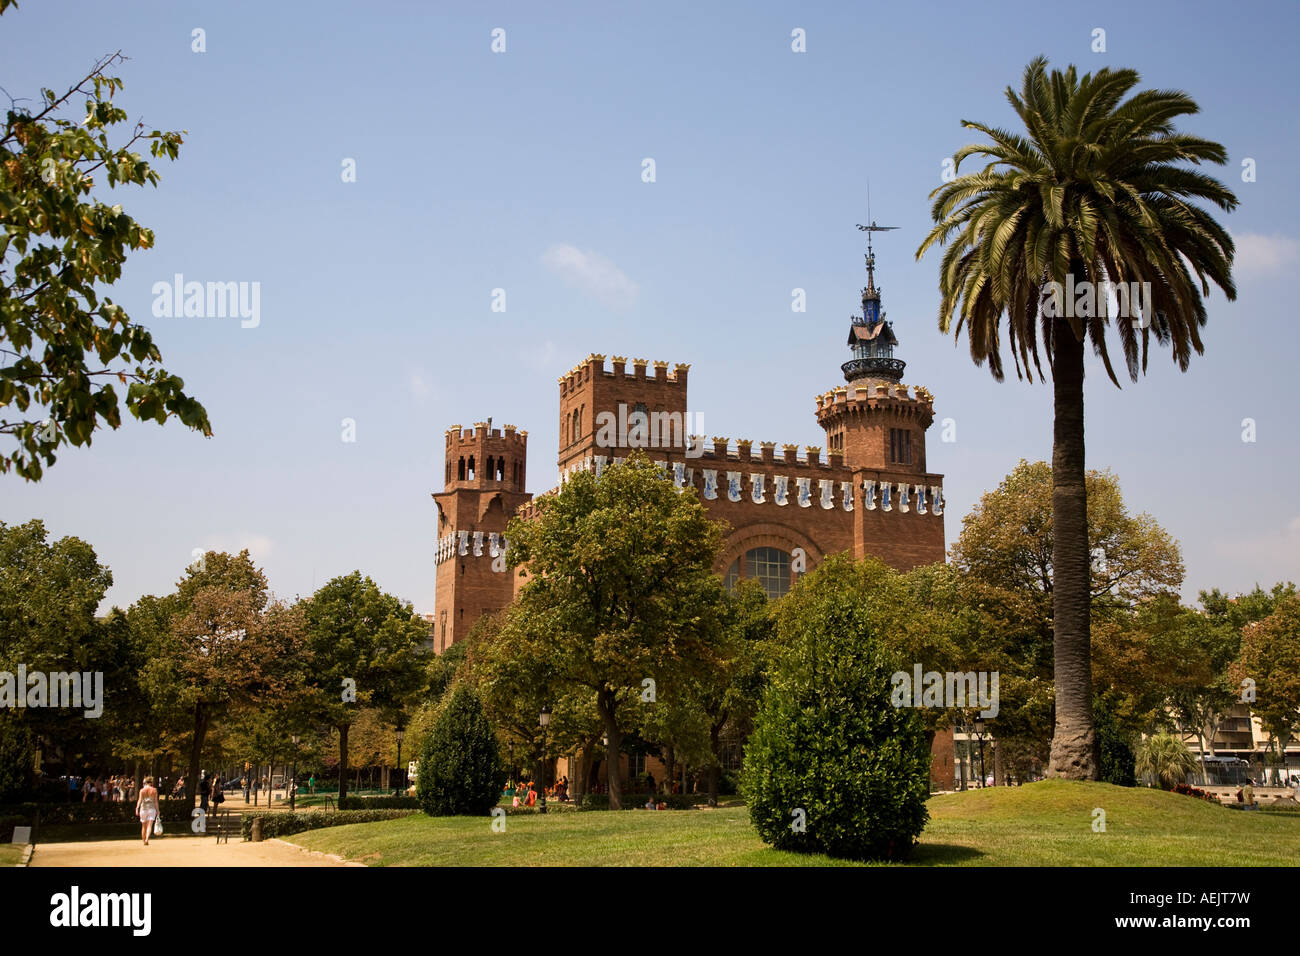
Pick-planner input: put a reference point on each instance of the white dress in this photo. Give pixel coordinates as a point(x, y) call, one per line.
point(148, 809)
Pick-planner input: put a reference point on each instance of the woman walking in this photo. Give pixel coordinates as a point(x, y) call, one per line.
point(146, 808)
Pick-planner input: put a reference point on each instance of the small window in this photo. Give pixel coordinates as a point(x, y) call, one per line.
point(900, 446)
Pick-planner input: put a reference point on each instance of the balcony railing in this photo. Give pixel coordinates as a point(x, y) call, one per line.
point(861, 367)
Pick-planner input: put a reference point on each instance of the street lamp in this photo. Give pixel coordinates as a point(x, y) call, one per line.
point(293, 774)
point(401, 735)
point(544, 719)
point(979, 732)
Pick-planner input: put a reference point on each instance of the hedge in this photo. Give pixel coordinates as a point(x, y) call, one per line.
point(379, 803)
point(636, 801)
point(284, 824)
point(74, 814)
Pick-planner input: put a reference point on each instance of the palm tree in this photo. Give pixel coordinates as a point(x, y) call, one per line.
point(1096, 190)
point(1165, 759)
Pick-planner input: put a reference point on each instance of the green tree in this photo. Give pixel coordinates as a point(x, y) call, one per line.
point(721, 689)
point(49, 593)
point(1270, 656)
point(622, 568)
point(366, 649)
point(224, 645)
point(17, 753)
point(832, 765)
point(1005, 553)
point(460, 766)
point(1097, 189)
point(63, 345)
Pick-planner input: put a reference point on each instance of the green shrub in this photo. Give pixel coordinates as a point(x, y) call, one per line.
point(674, 801)
point(1165, 759)
point(832, 765)
point(460, 768)
point(1118, 762)
point(379, 803)
point(76, 814)
point(552, 806)
point(284, 824)
point(17, 753)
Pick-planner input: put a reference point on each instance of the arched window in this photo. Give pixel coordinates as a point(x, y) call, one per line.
point(491, 468)
point(770, 567)
point(460, 469)
point(471, 468)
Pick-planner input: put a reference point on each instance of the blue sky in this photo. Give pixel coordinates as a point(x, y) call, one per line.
point(522, 171)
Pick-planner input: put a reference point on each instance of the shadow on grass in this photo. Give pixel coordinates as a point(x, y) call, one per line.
point(944, 854)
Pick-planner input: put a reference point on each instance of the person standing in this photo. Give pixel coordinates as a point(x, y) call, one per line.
point(243, 782)
point(146, 808)
point(218, 794)
point(205, 790)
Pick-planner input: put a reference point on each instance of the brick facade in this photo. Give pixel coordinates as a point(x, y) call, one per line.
point(870, 494)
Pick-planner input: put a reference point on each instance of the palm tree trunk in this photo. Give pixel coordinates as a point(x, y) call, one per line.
point(1074, 743)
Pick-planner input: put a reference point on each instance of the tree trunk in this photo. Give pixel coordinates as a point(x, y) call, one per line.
point(670, 767)
point(605, 705)
point(1074, 743)
point(201, 717)
point(343, 761)
point(715, 768)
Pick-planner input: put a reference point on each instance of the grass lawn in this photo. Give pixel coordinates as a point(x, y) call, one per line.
point(1043, 824)
point(11, 853)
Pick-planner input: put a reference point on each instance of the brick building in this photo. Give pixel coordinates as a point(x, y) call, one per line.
point(870, 493)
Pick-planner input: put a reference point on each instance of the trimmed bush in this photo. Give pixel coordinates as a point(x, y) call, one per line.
point(1196, 792)
point(674, 801)
point(460, 768)
point(76, 814)
point(379, 803)
point(284, 824)
point(832, 765)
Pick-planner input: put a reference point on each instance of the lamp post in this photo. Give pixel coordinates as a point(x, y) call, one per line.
point(401, 735)
point(979, 732)
point(293, 775)
point(544, 719)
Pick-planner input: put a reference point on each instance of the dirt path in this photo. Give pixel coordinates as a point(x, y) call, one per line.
point(180, 851)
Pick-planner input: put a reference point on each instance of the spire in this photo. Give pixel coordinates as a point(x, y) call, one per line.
point(871, 338)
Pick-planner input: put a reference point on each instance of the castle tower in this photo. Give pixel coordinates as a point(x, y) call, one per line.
point(879, 427)
point(485, 474)
point(636, 410)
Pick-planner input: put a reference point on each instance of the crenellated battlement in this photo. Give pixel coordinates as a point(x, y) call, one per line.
point(848, 400)
point(593, 367)
point(508, 435)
